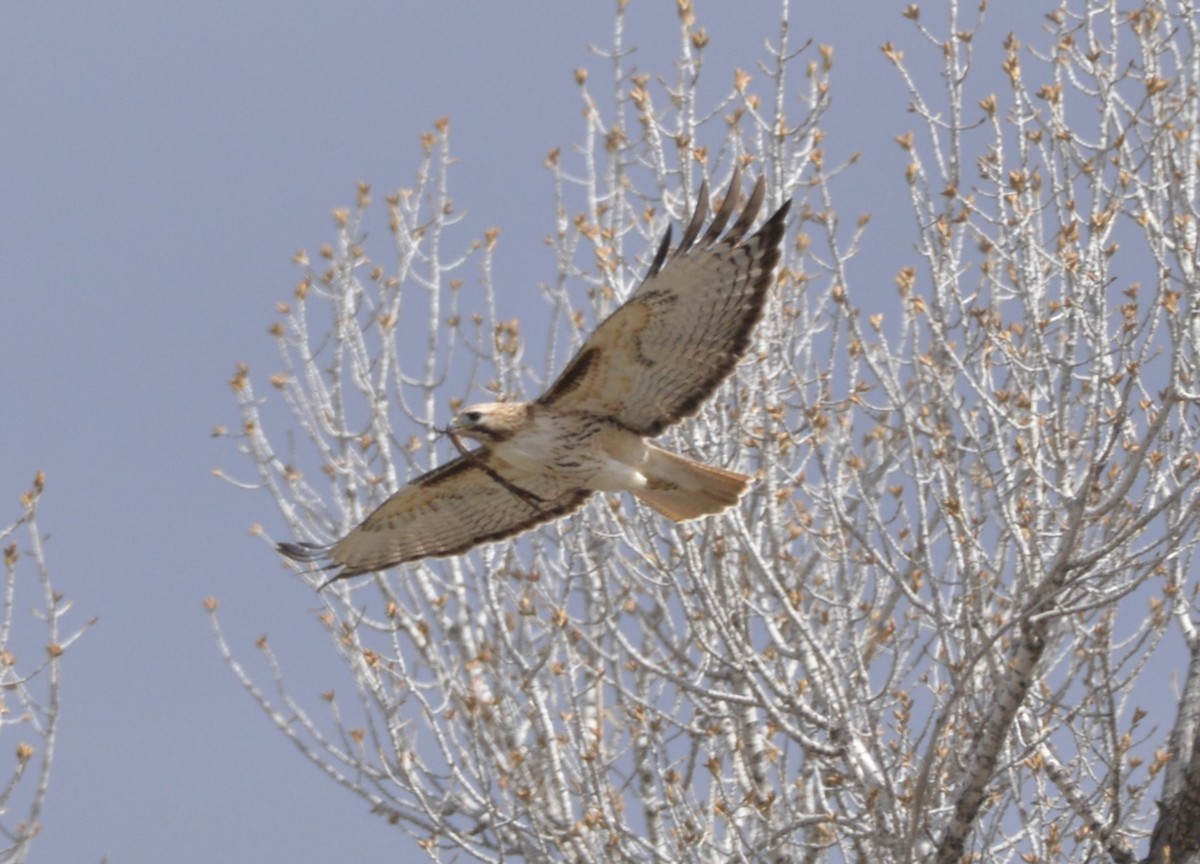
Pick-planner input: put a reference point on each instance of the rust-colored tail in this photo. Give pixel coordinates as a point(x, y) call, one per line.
point(683, 489)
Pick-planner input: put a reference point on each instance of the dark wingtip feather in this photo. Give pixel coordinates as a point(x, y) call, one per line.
point(725, 211)
point(749, 213)
point(699, 215)
point(781, 214)
point(661, 256)
point(302, 552)
point(312, 553)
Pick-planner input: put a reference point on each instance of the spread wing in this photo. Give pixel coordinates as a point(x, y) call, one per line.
point(475, 499)
point(660, 355)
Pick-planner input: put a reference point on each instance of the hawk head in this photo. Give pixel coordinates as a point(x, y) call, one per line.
point(491, 422)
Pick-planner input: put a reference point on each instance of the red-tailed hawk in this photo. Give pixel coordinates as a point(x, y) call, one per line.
point(649, 364)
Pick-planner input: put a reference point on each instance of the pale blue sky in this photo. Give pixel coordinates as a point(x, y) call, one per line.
point(160, 164)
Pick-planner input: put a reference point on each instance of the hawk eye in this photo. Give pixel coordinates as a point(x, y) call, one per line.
point(473, 416)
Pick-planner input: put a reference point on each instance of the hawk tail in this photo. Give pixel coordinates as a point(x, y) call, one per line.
point(683, 489)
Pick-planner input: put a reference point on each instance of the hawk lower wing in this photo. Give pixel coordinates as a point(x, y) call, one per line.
point(475, 499)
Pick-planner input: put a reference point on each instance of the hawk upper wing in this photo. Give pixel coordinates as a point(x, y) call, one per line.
point(471, 500)
point(660, 355)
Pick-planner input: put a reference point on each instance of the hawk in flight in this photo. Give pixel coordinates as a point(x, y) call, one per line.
point(649, 364)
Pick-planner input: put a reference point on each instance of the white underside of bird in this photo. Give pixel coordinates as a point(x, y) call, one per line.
point(602, 457)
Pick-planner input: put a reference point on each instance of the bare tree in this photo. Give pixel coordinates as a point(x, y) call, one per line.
point(29, 704)
point(926, 633)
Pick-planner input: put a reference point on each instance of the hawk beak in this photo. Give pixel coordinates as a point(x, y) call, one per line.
point(457, 424)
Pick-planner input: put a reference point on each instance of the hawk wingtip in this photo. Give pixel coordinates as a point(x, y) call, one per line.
point(303, 552)
point(315, 553)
